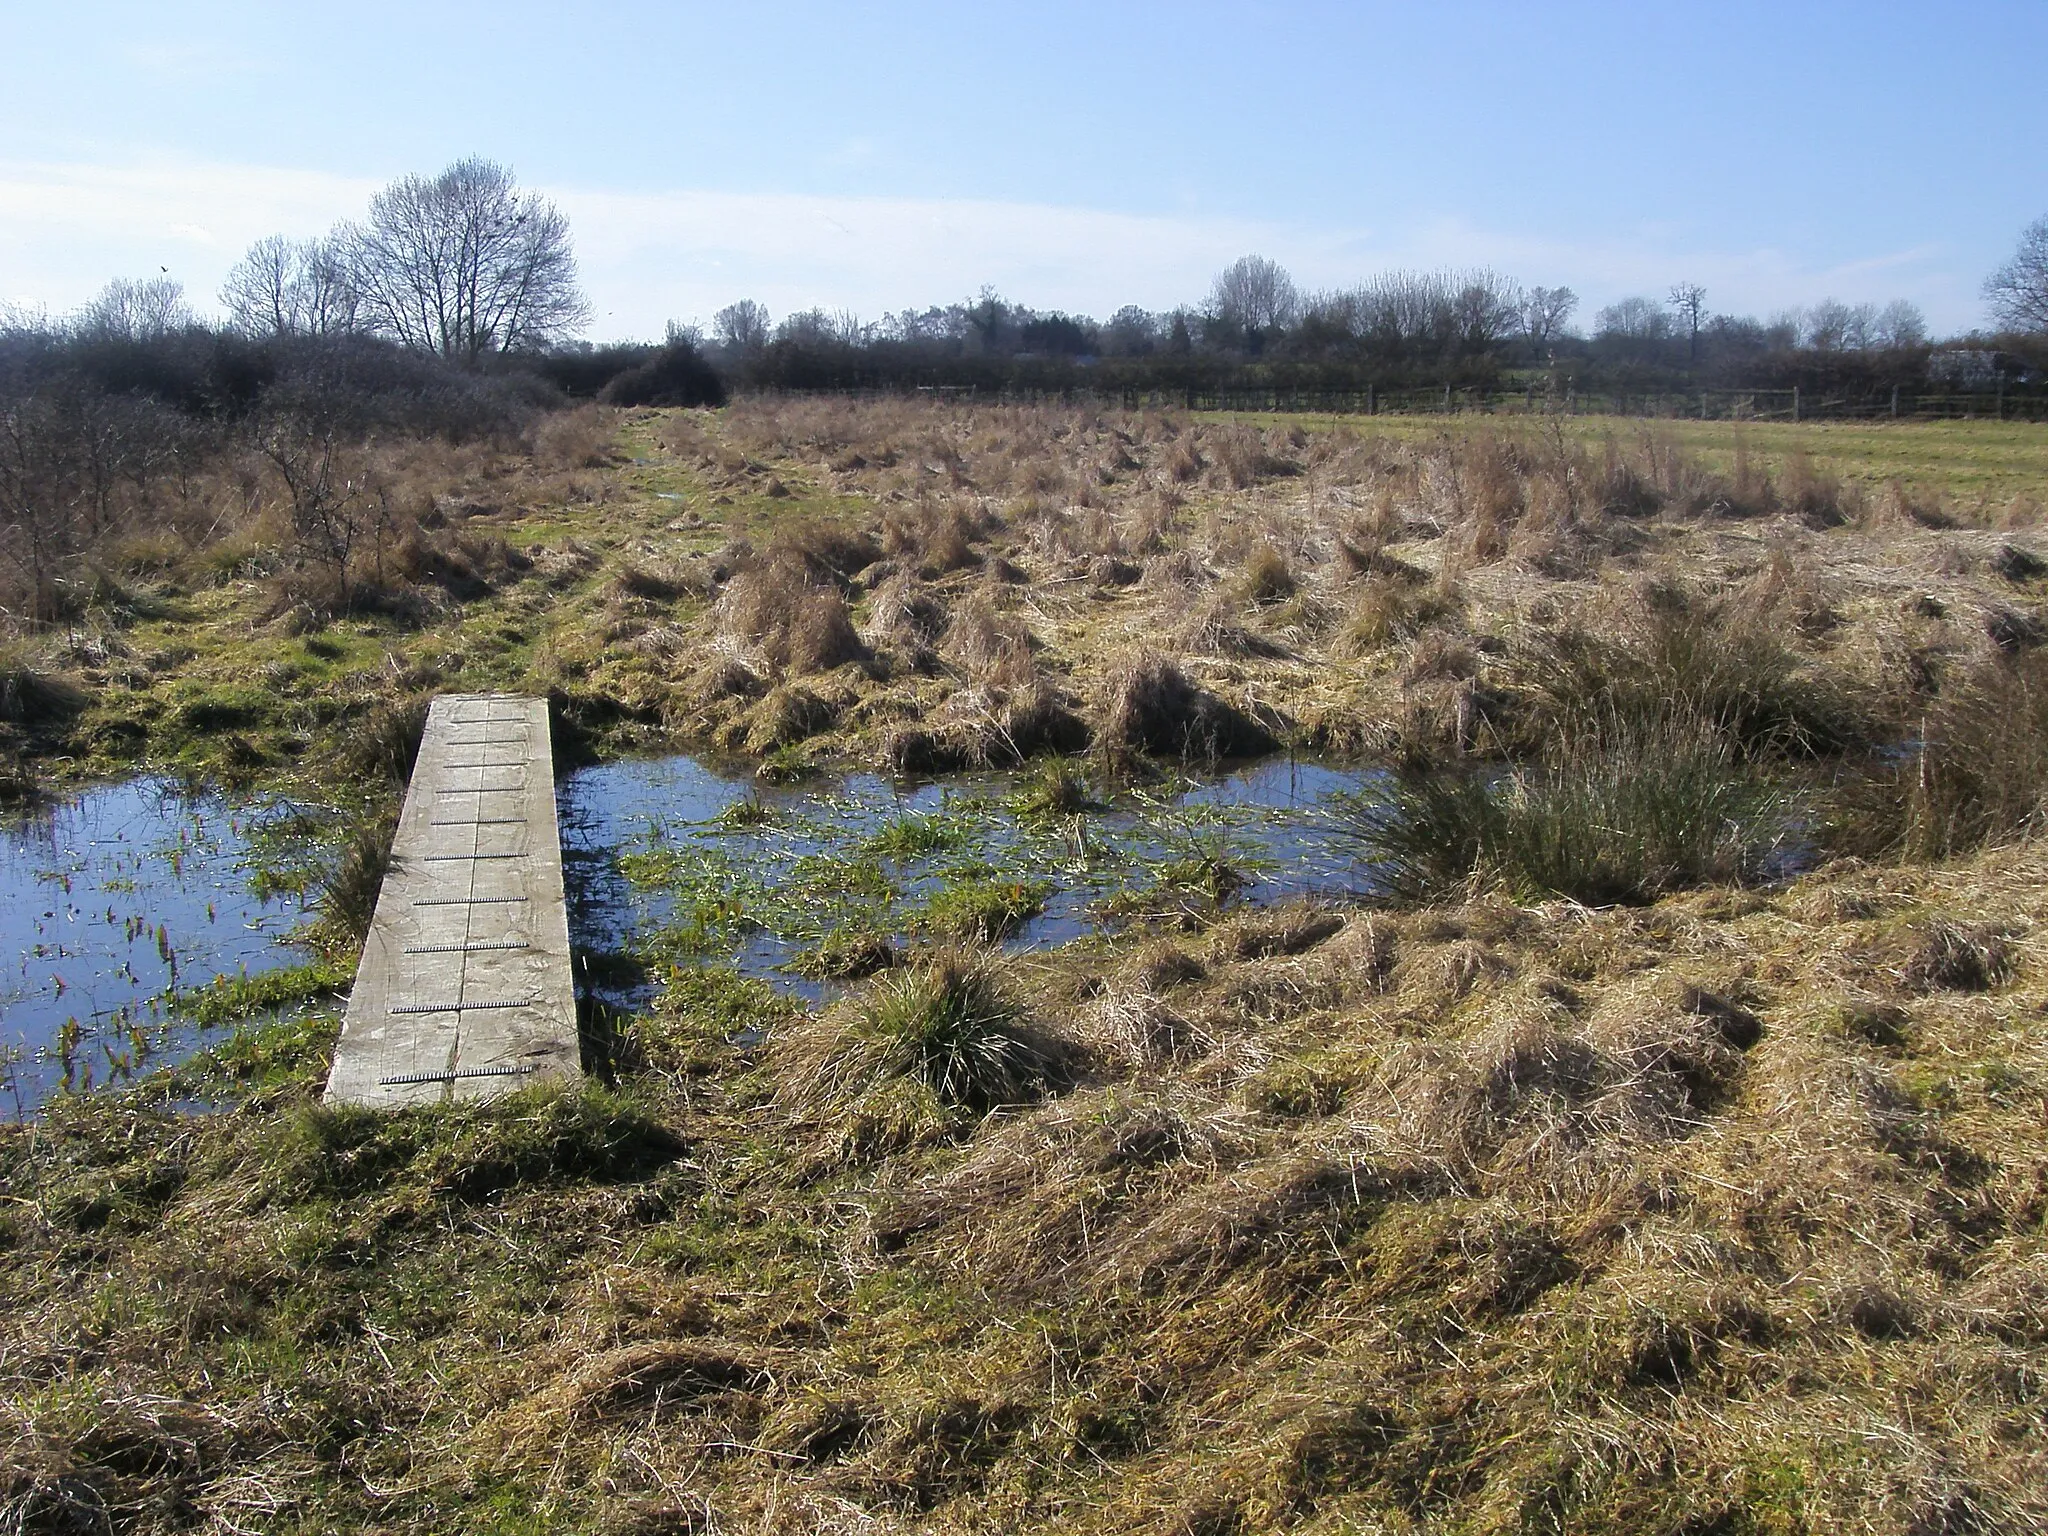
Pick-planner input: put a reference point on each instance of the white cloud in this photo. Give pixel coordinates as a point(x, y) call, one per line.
point(66, 229)
point(649, 257)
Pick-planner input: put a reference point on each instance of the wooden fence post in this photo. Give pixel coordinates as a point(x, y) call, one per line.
point(1795, 402)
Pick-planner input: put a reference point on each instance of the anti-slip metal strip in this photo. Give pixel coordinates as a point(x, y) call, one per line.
point(466, 949)
point(526, 1002)
point(405, 1079)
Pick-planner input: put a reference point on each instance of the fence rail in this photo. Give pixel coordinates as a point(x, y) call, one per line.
point(2016, 403)
point(1695, 405)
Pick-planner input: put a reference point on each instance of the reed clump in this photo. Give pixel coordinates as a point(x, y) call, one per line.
point(1625, 811)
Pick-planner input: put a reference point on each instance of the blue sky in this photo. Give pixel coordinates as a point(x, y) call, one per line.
point(1075, 156)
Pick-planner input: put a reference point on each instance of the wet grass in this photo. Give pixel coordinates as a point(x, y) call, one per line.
point(235, 999)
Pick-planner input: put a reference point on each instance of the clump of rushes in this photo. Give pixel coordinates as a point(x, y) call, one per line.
point(1978, 775)
point(983, 910)
point(787, 764)
point(1187, 888)
point(747, 813)
point(1680, 651)
point(913, 837)
point(1147, 703)
point(1268, 578)
point(945, 1024)
point(388, 744)
point(1623, 816)
point(350, 899)
point(1057, 786)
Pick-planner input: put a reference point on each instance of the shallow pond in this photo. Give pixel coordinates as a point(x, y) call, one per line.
point(113, 897)
point(669, 859)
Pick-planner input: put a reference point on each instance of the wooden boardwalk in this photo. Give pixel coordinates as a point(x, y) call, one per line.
point(464, 989)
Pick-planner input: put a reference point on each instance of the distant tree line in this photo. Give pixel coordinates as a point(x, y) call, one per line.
point(1401, 330)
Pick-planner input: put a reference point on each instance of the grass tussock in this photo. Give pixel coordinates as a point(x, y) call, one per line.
point(776, 615)
point(1623, 813)
point(1149, 704)
point(939, 1037)
point(1975, 774)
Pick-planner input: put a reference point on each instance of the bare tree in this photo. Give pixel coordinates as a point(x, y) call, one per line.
point(1487, 307)
point(1636, 318)
point(465, 264)
point(286, 287)
point(1833, 326)
point(1690, 302)
point(743, 327)
point(2018, 291)
point(127, 310)
point(1255, 294)
point(1545, 313)
point(1900, 324)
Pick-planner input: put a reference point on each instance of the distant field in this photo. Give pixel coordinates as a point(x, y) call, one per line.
point(1980, 467)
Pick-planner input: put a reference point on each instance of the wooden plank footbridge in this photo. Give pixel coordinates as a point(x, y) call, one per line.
point(464, 990)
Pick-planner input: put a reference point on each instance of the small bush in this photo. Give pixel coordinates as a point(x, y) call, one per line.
point(676, 375)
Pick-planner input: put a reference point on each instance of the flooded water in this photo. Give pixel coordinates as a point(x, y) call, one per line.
point(111, 898)
point(671, 859)
point(115, 898)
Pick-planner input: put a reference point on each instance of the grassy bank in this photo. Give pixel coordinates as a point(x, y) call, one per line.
point(1720, 1214)
point(1603, 1177)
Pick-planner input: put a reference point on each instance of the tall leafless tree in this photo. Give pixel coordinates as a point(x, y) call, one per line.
point(1545, 312)
point(2018, 291)
point(465, 264)
point(743, 327)
point(1689, 300)
point(286, 287)
point(1255, 294)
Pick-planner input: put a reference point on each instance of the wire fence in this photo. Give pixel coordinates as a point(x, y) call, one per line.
point(1902, 403)
point(1795, 404)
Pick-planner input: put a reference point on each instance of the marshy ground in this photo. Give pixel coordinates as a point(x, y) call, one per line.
point(1662, 1146)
